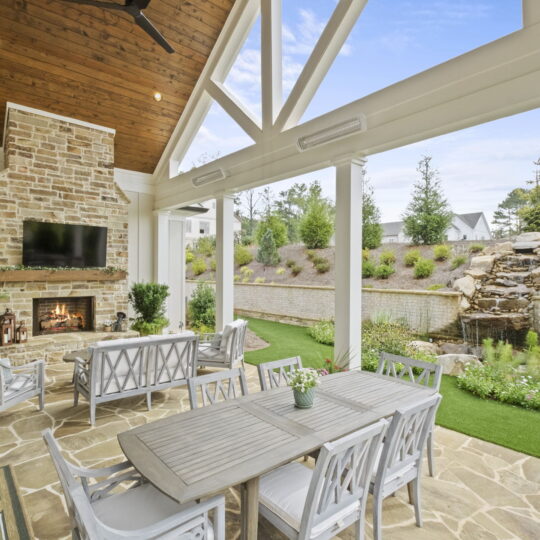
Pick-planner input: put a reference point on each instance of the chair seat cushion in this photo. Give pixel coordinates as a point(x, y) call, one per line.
point(140, 507)
point(284, 492)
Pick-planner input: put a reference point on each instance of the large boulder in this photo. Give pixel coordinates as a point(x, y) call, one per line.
point(483, 262)
point(503, 248)
point(426, 347)
point(465, 285)
point(528, 237)
point(527, 242)
point(455, 364)
point(454, 348)
point(476, 273)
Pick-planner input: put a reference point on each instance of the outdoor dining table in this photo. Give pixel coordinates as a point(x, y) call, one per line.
point(196, 454)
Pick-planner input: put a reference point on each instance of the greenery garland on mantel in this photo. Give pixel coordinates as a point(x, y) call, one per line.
point(106, 270)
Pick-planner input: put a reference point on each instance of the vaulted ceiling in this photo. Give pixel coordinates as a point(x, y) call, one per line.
point(98, 66)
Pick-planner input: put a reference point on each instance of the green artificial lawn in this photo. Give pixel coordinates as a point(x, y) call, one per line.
point(499, 423)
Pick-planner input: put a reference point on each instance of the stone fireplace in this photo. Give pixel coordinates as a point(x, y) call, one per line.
point(59, 315)
point(60, 171)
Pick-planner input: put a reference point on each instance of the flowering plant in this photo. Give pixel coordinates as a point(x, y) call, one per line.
point(303, 379)
point(331, 366)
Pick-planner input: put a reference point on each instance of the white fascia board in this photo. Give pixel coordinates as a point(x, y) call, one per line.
point(134, 181)
point(499, 79)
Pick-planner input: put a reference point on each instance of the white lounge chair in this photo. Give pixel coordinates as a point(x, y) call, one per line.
point(224, 349)
point(318, 504)
point(140, 512)
point(19, 383)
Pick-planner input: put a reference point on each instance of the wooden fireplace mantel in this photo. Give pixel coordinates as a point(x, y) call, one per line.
point(61, 275)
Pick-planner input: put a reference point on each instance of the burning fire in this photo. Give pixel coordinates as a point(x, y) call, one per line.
point(61, 311)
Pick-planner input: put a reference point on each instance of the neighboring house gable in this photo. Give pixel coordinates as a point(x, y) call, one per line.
point(205, 224)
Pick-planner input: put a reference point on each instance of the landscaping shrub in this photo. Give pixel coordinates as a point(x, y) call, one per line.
point(290, 263)
point(189, 256)
point(206, 246)
point(322, 265)
point(476, 248)
point(245, 279)
point(368, 269)
point(365, 254)
point(384, 271)
point(246, 272)
point(458, 261)
point(411, 257)
point(296, 269)
point(259, 280)
point(202, 307)
point(323, 332)
point(277, 226)
point(442, 252)
point(148, 301)
point(311, 254)
point(387, 257)
point(268, 253)
point(280, 271)
point(435, 287)
point(237, 277)
point(316, 227)
point(213, 265)
point(423, 268)
point(198, 266)
point(242, 255)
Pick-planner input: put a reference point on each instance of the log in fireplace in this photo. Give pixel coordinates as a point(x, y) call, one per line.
point(60, 315)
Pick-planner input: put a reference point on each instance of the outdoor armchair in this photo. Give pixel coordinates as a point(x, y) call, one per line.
point(224, 349)
point(141, 512)
point(218, 386)
point(277, 373)
point(19, 383)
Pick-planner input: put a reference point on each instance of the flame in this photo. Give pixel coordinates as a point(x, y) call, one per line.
point(61, 311)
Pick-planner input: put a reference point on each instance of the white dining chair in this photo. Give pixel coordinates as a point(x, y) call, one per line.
point(317, 504)
point(427, 374)
point(224, 349)
point(19, 383)
point(399, 462)
point(140, 512)
point(218, 386)
point(277, 373)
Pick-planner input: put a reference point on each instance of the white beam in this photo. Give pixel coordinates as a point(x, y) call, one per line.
point(236, 110)
point(531, 12)
point(348, 265)
point(271, 66)
point(499, 79)
point(327, 48)
point(229, 43)
point(224, 261)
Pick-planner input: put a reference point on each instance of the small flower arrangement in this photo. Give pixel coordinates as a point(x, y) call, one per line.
point(330, 366)
point(304, 379)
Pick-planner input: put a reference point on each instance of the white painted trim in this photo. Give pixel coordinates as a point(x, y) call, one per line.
point(531, 12)
point(134, 181)
point(16, 107)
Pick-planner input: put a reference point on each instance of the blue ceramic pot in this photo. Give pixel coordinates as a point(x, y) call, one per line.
point(304, 400)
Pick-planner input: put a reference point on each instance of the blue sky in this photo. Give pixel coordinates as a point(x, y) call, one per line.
point(393, 40)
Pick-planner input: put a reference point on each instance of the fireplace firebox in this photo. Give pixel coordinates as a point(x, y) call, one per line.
point(61, 315)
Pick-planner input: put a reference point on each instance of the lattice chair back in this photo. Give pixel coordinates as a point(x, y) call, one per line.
point(216, 387)
point(173, 358)
point(340, 482)
point(401, 457)
point(416, 371)
point(277, 373)
point(232, 342)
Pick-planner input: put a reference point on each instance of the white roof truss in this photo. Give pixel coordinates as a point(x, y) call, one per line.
point(496, 80)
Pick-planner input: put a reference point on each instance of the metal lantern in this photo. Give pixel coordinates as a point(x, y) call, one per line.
point(22, 333)
point(7, 327)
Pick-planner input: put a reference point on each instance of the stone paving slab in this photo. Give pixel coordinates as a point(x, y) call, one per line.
point(481, 491)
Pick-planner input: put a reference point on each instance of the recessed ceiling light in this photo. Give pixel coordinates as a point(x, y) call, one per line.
point(157, 96)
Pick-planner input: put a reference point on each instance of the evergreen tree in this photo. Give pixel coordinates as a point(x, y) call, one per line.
point(507, 219)
point(268, 253)
point(371, 217)
point(531, 213)
point(275, 224)
point(428, 215)
point(316, 227)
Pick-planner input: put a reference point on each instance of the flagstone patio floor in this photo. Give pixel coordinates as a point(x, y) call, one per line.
point(481, 491)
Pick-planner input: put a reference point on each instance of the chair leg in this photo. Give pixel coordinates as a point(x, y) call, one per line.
point(75, 396)
point(149, 400)
point(42, 398)
point(416, 494)
point(359, 528)
point(377, 517)
point(430, 458)
point(92, 415)
point(411, 494)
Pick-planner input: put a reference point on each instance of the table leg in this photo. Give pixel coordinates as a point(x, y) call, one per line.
point(250, 509)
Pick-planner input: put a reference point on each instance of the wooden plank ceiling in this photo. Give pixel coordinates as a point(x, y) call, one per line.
point(97, 65)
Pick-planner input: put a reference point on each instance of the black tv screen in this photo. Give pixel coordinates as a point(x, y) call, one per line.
point(57, 245)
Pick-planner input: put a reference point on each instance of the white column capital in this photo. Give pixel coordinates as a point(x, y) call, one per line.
point(348, 159)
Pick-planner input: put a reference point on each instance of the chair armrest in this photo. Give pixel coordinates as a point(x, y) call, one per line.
point(36, 366)
point(211, 338)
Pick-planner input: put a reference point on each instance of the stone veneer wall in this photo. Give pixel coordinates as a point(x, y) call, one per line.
point(62, 172)
point(432, 312)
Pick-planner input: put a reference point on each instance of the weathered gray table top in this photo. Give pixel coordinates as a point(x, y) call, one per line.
point(198, 453)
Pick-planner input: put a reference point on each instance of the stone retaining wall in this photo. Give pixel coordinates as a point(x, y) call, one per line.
point(427, 312)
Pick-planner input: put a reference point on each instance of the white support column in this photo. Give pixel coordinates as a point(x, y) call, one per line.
point(161, 247)
point(348, 265)
point(224, 261)
point(531, 12)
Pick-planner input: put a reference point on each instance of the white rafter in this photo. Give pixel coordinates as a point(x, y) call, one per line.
point(271, 61)
point(327, 48)
point(235, 109)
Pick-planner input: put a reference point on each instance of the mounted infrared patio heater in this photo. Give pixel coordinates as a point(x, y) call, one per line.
point(332, 133)
point(209, 178)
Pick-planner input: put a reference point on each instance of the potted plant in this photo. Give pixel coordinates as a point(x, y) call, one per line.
point(107, 326)
point(148, 301)
point(303, 382)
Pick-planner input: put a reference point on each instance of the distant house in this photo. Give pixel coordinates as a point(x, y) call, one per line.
point(204, 223)
point(463, 227)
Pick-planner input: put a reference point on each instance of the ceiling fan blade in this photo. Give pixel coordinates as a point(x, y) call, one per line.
point(141, 4)
point(152, 31)
point(97, 3)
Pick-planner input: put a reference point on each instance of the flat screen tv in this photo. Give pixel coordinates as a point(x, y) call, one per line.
point(57, 245)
